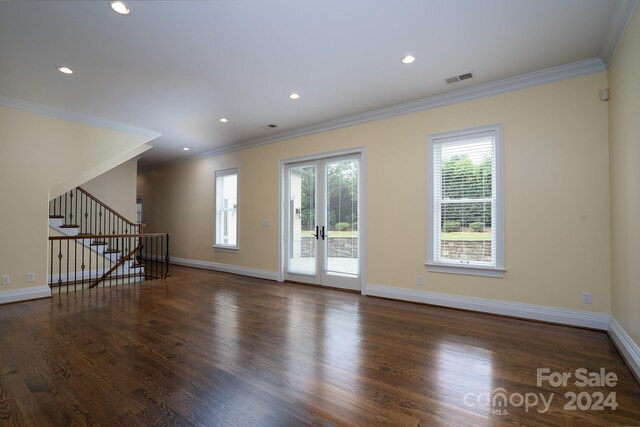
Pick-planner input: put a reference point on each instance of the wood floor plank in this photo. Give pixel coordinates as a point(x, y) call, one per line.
point(214, 349)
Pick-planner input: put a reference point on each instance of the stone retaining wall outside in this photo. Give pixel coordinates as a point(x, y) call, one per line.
point(471, 250)
point(347, 247)
point(340, 247)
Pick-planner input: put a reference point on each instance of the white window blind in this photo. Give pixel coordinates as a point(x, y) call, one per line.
point(227, 208)
point(465, 201)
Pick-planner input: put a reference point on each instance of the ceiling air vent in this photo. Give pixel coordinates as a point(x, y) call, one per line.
point(458, 78)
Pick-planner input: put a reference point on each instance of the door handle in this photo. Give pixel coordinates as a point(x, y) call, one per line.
point(317, 234)
point(322, 234)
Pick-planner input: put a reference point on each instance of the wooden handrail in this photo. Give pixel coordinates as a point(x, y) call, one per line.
point(113, 211)
point(117, 265)
point(106, 236)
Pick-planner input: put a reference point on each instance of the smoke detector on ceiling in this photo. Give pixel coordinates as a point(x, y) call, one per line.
point(461, 77)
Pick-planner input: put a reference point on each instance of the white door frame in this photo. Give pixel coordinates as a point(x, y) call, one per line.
point(362, 209)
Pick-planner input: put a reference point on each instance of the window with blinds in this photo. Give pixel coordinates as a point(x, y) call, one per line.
point(465, 202)
point(227, 209)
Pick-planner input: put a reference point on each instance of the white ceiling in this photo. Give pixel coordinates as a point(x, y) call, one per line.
point(176, 67)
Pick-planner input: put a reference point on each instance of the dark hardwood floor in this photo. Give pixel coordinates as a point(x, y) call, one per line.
point(206, 348)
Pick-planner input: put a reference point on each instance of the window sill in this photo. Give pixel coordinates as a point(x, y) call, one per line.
point(229, 249)
point(466, 270)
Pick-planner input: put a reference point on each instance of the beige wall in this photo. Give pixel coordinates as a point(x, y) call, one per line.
point(117, 188)
point(624, 139)
point(556, 196)
point(37, 155)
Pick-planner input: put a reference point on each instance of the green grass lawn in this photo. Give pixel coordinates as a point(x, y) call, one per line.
point(465, 235)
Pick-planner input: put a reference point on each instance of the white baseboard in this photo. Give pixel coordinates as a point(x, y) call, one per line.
point(24, 294)
point(227, 268)
point(626, 345)
point(564, 316)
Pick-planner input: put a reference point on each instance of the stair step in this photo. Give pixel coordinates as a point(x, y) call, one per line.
point(112, 251)
point(56, 216)
point(132, 266)
point(70, 226)
point(99, 243)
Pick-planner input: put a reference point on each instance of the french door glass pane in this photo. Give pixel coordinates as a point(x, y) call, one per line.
point(302, 220)
point(342, 217)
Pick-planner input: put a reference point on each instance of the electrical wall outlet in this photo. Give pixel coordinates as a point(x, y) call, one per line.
point(420, 281)
point(31, 277)
point(586, 297)
point(5, 280)
point(259, 262)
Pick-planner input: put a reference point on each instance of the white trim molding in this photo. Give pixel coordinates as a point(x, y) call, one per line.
point(25, 294)
point(548, 75)
point(435, 142)
point(621, 17)
point(626, 346)
point(226, 268)
point(465, 270)
point(563, 316)
point(58, 113)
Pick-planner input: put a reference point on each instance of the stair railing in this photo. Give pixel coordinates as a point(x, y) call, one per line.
point(81, 210)
point(85, 262)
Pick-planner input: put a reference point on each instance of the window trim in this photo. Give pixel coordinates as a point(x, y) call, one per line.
point(498, 269)
point(218, 246)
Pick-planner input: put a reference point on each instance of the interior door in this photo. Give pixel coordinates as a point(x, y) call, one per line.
point(321, 211)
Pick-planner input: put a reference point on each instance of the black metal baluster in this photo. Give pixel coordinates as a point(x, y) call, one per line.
point(92, 219)
point(153, 258)
point(87, 229)
point(90, 263)
point(71, 208)
point(65, 207)
point(83, 222)
point(50, 281)
point(83, 265)
point(67, 265)
point(59, 266)
point(75, 264)
point(167, 256)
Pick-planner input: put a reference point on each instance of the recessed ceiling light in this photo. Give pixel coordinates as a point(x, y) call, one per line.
point(120, 7)
point(186, 148)
point(408, 59)
point(223, 120)
point(65, 70)
point(294, 96)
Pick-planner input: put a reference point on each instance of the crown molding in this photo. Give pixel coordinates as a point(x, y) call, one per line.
point(548, 75)
point(619, 22)
point(58, 113)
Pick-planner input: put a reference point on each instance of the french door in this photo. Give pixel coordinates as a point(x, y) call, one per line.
point(321, 209)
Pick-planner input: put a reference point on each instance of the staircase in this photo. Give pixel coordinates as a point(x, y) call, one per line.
point(98, 246)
